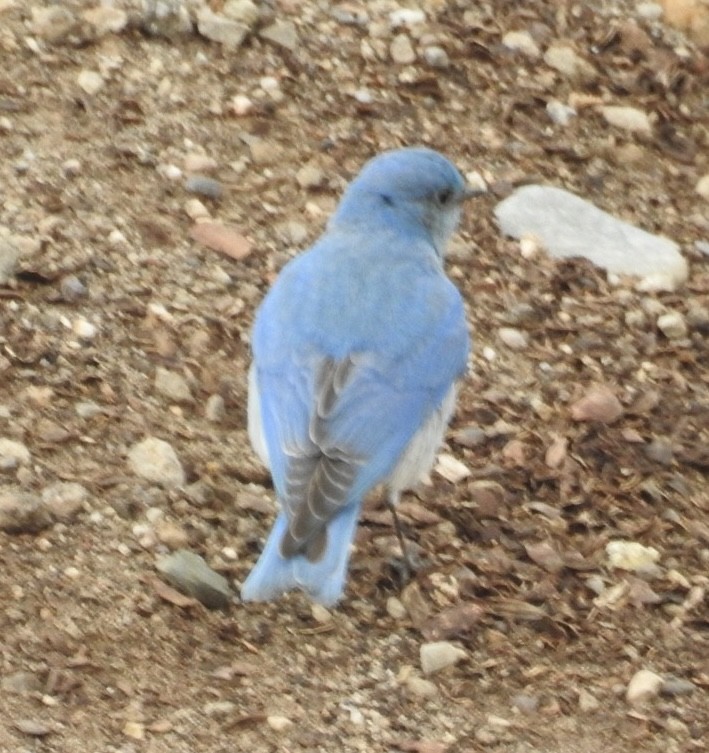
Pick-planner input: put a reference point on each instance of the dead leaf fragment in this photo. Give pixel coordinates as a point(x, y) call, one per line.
point(544, 555)
point(171, 595)
point(598, 404)
point(225, 239)
point(452, 622)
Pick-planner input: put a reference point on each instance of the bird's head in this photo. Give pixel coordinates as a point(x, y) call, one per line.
point(415, 185)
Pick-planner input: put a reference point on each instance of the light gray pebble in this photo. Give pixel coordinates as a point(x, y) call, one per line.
point(155, 460)
point(189, 573)
point(22, 512)
point(672, 686)
point(204, 186)
point(214, 410)
point(72, 289)
point(172, 385)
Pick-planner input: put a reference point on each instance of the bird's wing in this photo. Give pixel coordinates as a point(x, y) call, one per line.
point(335, 426)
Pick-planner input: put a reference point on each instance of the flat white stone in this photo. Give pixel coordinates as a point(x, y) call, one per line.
point(567, 225)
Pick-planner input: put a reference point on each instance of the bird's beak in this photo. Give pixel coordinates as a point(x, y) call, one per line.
point(472, 193)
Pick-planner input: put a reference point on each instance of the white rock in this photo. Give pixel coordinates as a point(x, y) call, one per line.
point(396, 609)
point(155, 460)
point(643, 686)
point(279, 723)
point(401, 50)
point(16, 451)
point(406, 17)
point(566, 61)
point(220, 29)
point(214, 410)
point(420, 687)
point(631, 555)
point(627, 118)
point(84, 330)
point(245, 11)
point(567, 225)
point(436, 56)
point(513, 338)
point(172, 385)
point(281, 33)
point(451, 468)
point(241, 105)
point(106, 20)
point(702, 187)
point(649, 11)
point(309, 176)
point(65, 498)
point(523, 42)
point(560, 113)
point(672, 325)
point(90, 81)
point(438, 655)
point(53, 23)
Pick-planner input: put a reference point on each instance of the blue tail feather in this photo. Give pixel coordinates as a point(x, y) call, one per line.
point(323, 581)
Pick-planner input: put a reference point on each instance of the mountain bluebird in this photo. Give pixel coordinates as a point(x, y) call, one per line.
point(357, 349)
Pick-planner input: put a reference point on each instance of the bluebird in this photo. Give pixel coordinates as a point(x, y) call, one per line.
point(357, 351)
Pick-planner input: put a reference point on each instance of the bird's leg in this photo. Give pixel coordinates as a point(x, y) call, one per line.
point(407, 570)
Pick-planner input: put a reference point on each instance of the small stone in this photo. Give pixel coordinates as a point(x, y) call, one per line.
point(84, 329)
point(106, 20)
point(566, 61)
point(219, 708)
point(310, 176)
point(513, 338)
point(396, 609)
point(64, 499)
point(220, 29)
point(18, 452)
point(189, 573)
point(436, 56)
point(199, 163)
point(401, 50)
point(172, 535)
point(421, 687)
point(281, 33)
point(672, 325)
point(244, 11)
point(214, 410)
point(451, 468)
point(172, 385)
point(155, 460)
point(72, 289)
point(627, 118)
point(264, 152)
point(527, 704)
point(673, 686)
point(643, 686)
point(90, 81)
point(660, 451)
point(598, 404)
point(631, 555)
point(53, 24)
point(278, 723)
point(649, 11)
point(22, 512)
point(195, 210)
point(406, 17)
point(320, 614)
point(702, 187)
point(521, 41)
point(71, 168)
point(587, 701)
point(9, 258)
point(204, 186)
point(438, 655)
point(560, 113)
point(241, 105)
point(134, 730)
point(20, 683)
point(88, 409)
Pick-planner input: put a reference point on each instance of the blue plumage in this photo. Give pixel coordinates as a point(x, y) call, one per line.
point(357, 348)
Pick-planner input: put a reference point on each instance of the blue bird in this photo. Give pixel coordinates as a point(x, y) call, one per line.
point(357, 349)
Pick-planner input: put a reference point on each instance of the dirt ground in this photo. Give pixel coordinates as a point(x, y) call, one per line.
point(95, 654)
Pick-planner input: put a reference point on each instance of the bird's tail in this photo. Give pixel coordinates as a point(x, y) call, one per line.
point(323, 581)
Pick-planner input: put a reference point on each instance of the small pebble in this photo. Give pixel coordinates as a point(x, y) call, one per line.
point(154, 460)
point(204, 186)
point(72, 289)
point(401, 50)
point(523, 42)
point(189, 573)
point(672, 325)
point(439, 655)
point(90, 81)
point(673, 686)
point(421, 687)
point(172, 385)
point(513, 338)
point(436, 57)
point(396, 609)
point(627, 118)
point(309, 176)
point(660, 451)
point(214, 410)
point(643, 686)
point(278, 723)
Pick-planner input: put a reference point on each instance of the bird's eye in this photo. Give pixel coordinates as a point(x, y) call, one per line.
point(444, 196)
